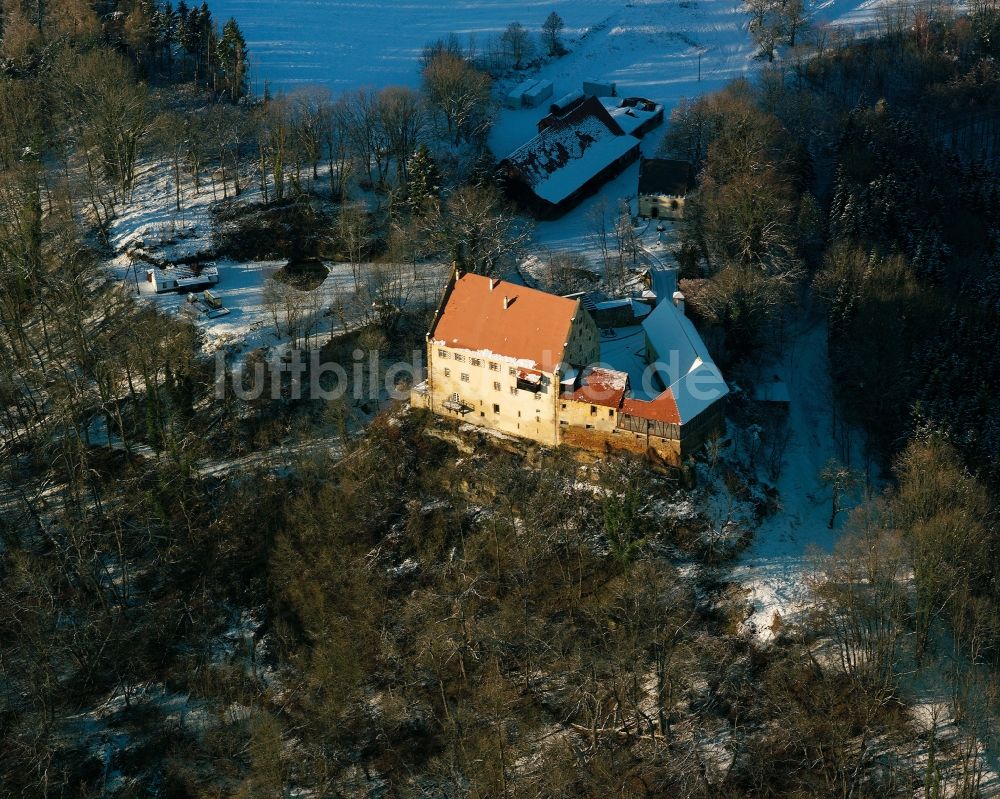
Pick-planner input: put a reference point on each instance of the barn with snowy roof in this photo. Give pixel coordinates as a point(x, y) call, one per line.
point(573, 155)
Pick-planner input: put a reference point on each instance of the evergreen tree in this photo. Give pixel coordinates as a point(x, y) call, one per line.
point(207, 43)
point(165, 31)
point(187, 28)
point(233, 59)
point(424, 187)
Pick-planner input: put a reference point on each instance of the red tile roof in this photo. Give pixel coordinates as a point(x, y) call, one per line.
point(533, 328)
point(662, 408)
point(599, 386)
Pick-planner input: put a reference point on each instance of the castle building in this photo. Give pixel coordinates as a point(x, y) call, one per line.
point(527, 363)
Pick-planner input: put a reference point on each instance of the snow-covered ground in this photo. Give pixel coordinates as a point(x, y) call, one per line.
point(775, 567)
point(345, 44)
point(151, 223)
point(664, 50)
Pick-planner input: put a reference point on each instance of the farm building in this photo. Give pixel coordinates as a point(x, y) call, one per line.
point(529, 94)
point(531, 364)
point(636, 115)
point(569, 159)
point(592, 87)
point(663, 187)
point(182, 278)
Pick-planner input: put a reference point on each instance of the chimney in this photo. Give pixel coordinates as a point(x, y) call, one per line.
point(679, 301)
point(506, 303)
point(493, 283)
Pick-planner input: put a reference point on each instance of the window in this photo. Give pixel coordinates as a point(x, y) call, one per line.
point(494, 367)
point(593, 410)
point(476, 362)
point(564, 406)
point(459, 358)
point(511, 371)
point(611, 413)
point(538, 418)
point(465, 377)
point(496, 386)
point(442, 353)
point(513, 391)
point(447, 372)
point(496, 408)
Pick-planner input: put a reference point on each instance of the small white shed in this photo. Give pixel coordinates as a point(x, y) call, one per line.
point(515, 98)
point(538, 94)
point(600, 88)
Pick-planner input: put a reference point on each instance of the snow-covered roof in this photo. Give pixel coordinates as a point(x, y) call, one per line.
point(639, 309)
point(570, 151)
point(631, 112)
point(598, 385)
point(682, 362)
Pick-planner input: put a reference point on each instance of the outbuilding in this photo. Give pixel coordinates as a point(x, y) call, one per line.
point(663, 187)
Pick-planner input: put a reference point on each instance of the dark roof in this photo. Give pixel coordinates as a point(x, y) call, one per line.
point(664, 176)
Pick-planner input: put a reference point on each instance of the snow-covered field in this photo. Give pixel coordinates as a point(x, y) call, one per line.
point(345, 44)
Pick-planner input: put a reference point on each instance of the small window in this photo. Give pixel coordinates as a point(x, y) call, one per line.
point(447, 372)
point(538, 418)
point(593, 410)
point(496, 386)
point(563, 423)
point(494, 367)
point(513, 391)
point(611, 413)
point(459, 358)
point(476, 362)
point(511, 371)
point(518, 414)
point(590, 427)
point(465, 377)
point(442, 353)
point(564, 406)
point(496, 408)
